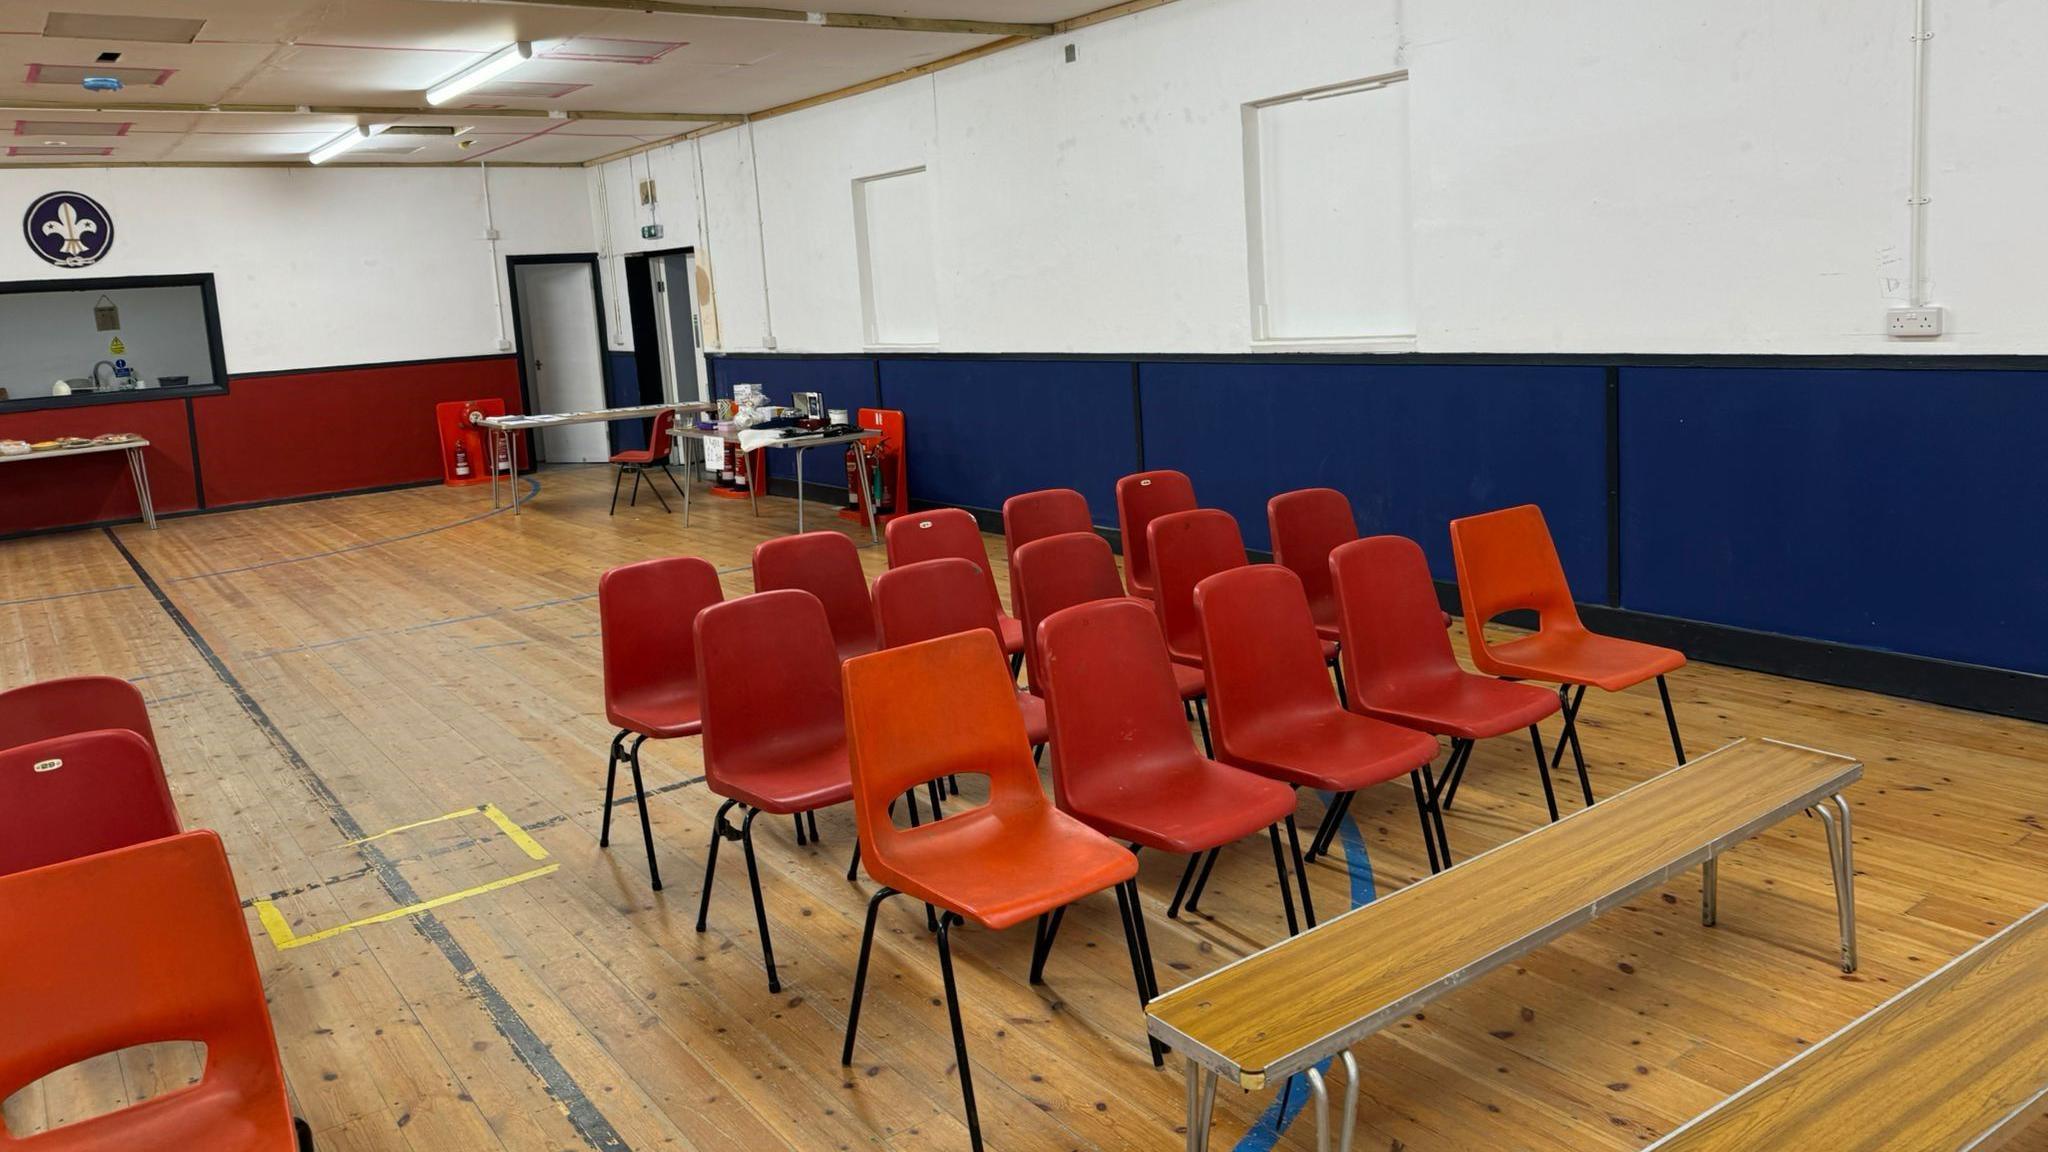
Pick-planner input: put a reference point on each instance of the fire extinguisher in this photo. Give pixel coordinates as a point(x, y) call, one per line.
point(461, 460)
point(879, 453)
point(852, 480)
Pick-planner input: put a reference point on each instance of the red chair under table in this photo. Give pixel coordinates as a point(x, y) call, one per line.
point(72, 704)
point(1507, 563)
point(1122, 760)
point(1140, 499)
point(934, 598)
point(774, 728)
point(651, 691)
point(1402, 669)
point(1076, 568)
point(141, 945)
point(953, 532)
point(72, 796)
point(1275, 713)
point(655, 455)
point(927, 710)
point(826, 564)
point(1030, 516)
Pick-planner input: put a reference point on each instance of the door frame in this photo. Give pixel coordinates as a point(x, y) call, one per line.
point(604, 360)
point(697, 338)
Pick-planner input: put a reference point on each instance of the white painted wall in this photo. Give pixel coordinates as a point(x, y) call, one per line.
point(323, 266)
point(1599, 177)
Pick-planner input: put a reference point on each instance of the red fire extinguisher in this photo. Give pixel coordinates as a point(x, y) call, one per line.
point(852, 480)
point(461, 460)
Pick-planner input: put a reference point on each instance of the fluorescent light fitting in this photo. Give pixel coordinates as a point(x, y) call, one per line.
point(482, 72)
point(339, 144)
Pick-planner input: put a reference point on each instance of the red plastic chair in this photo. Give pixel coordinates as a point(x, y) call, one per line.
point(945, 532)
point(651, 690)
point(1187, 548)
point(72, 796)
point(774, 728)
point(1140, 499)
point(1274, 711)
point(655, 455)
point(1062, 571)
point(934, 598)
point(941, 707)
point(1123, 763)
point(61, 707)
point(1306, 525)
point(1034, 516)
point(141, 945)
point(827, 565)
point(1402, 669)
point(1507, 563)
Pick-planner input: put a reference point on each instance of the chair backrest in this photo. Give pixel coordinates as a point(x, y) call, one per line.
point(1506, 561)
point(1060, 572)
point(1306, 525)
point(75, 795)
point(827, 565)
point(1263, 660)
point(1392, 627)
point(140, 945)
point(771, 682)
point(644, 617)
point(1140, 498)
point(1113, 707)
point(1188, 548)
point(936, 535)
point(1030, 516)
point(935, 708)
point(930, 599)
point(61, 707)
point(657, 436)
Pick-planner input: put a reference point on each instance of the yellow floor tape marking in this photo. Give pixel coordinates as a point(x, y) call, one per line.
point(282, 936)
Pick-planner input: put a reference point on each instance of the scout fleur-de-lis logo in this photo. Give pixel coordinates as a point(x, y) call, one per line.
point(68, 229)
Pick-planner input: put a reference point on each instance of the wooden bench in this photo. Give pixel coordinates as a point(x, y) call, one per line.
point(1955, 1062)
point(1290, 1007)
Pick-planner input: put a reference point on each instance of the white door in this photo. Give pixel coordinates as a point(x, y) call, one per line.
point(564, 360)
point(682, 354)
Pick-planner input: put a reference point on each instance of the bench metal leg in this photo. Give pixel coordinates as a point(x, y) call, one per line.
point(1201, 1106)
point(1834, 813)
point(1322, 1100)
point(1710, 891)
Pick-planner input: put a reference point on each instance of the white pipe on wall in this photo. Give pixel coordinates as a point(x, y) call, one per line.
point(1916, 197)
point(497, 281)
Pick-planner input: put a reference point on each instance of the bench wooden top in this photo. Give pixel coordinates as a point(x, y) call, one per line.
point(1951, 1063)
point(1280, 1010)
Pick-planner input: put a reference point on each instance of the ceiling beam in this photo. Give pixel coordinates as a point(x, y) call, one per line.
point(795, 15)
point(368, 111)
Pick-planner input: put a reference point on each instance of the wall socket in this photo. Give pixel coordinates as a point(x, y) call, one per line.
point(1912, 323)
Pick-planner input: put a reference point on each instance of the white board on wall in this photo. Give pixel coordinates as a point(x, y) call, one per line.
point(892, 220)
point(1326, 196)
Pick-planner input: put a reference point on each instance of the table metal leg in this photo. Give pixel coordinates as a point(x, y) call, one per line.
point(139, 472)
point(1321, 1096)
point(491, 464)
point(512, 462)
point(753, 477)
point(1834, 813)
point(1350, 1102)
point(799, 491)
point(867, 497)
point(1201, 1106)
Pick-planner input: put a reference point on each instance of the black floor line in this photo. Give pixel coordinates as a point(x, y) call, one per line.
point(532, 1051)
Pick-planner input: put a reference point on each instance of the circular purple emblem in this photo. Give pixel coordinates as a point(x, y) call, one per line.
point(69, 229)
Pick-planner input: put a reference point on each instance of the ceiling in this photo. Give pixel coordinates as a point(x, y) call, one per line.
point(336, 56)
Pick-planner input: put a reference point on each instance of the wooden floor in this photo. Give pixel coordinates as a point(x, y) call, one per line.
point(326, 671)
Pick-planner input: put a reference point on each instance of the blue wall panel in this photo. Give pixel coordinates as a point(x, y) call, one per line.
point(845, 383)
point(1894, 509)
point(1413, 446)
point(981, 431)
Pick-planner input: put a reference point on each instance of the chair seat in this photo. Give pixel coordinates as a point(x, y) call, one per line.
point(1012, 630)
point(214, 1116)
point(999, 868)
point(1037, 728)
point(658, 716)
point(637, 456)
point(1334, 751)
point(1464, 707)
point(1192, 806)
point(1190, 681)
point(793, 781)
point(1575, 656)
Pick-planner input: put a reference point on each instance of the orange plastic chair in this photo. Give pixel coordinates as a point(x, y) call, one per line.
point(1075, 568)
point(1140, 499)
point(940, 707)
point(1032, 516)
point(61, 707)
point(934, 598)
point(644, 617)
point(827, 565)
point(76, 795)
point(1507, 563)
point(141, 945)
point(952, 532)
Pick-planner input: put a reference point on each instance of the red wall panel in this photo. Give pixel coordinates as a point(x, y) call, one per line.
point(306, 433)
point(67, 490)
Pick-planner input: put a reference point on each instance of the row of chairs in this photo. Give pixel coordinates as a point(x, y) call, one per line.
point(120, 929)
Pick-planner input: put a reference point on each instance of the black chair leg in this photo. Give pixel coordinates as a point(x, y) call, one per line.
point(1571, 702)
point(1041, 943)
point(760, 908)
point(1454, 768)
point(1671, 719)
point(936, 788)
point(1422, 811)
point(1280, 867)
point(1333, 822)
point(959, 1033)
point(1180, 892)
point(801, 839)
point(1308, 904)
point(1201, 881)
point(1016, 664)
point(1337, 666)
point(853, 865)
point(621, 475)
point(611, 777)
point(646, 826)
point(1202, 718)
point(634, 497)
point(656, 489)
point(860, 973)
point(812, 816)
point(1543, 771)
point(719, 831)
point(304, 1134)
point(1434, 786)
point(1134, 938)
point(672, 480)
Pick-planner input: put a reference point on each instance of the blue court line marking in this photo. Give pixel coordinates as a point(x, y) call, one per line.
point(1293, 1097)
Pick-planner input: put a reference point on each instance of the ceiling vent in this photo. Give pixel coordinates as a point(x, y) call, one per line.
point(607, 50)
point(424, 130)
point(66, 129)
point(117, 27)
point(58, 150)
point(75, 74)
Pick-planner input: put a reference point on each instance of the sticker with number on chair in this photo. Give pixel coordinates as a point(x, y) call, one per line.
point(48, 765)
